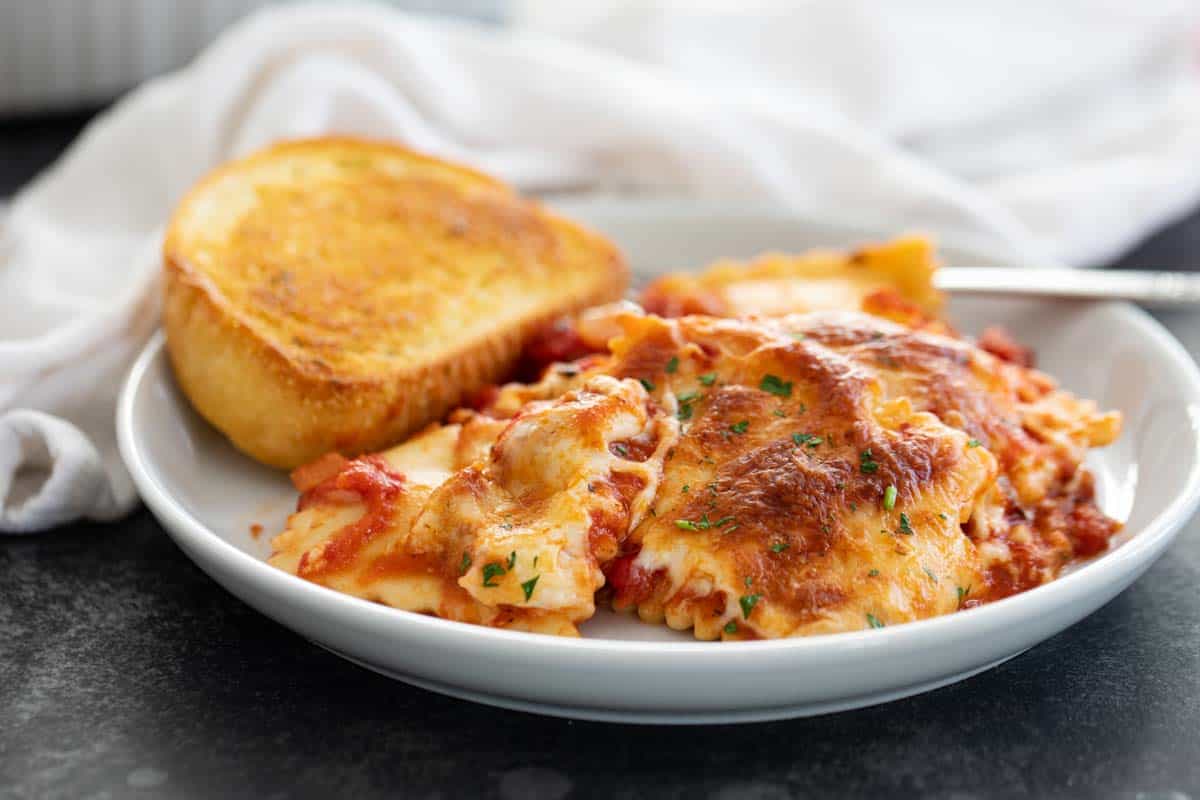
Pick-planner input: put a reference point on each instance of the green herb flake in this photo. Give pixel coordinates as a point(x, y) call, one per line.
point(672, 366)
point(889, 497)
point(465, 564)
point(905, 526)
point(974, 443)
point(621, 450)
point(749, 581)
point(688, 397)
point(932, 577)
point(535, 560)
point(512, 559)
point(776, 386)
point(685, 488)
point(873, 573)
point(779, 412)
point(779, 547)
point(803, 408)
point(809, 439)
point(648, 385)
point(529, 585)
point(740, 427)
point(686, 525)
point(684, 413)
point(709, 379)
point(962, 594)
point(748, 602)
point(731, 626)
point(942, 515)
point(867, 463)
point(874, 621)
point(493, 570)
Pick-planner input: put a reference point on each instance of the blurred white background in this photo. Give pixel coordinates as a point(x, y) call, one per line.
point(57, 54)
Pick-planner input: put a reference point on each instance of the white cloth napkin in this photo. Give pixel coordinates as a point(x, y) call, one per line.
point(78, 250)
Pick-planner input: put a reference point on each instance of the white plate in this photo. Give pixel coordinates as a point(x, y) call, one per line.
point(207, 496)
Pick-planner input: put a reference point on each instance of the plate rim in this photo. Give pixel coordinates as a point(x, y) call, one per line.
point(1146, 542)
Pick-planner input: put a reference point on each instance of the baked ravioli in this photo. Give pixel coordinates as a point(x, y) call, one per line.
point(754, 477)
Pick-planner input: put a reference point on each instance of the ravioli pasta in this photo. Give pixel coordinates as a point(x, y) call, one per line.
point(736, 474)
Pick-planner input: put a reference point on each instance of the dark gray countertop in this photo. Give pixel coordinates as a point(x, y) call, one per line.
point(125, 671)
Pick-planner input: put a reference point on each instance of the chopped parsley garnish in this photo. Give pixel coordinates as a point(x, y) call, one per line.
point(889, 497)
point(731, 626)
point(779, 547)
point(905, 527)
point(703, 524)
point(685, 488)
point(621, 450)
point(685, 405)
point(529, 585)
point(512, 559)
point(809, 439)
point(867, 463)
point(974, 443)
point(740, 427)
point(776, 385)
point(465, 564)
point(709, 379)
point(748, 602)
point(942, 515)
point(508, 526)
point(962, 594)
point(672, 365)
point(535, 560)
point(748, 581)
point(493, 570)
point(646, 384)
point(803, 408)
point(932, 577)
point(873, 573)
point(779, 412)
point(874, 622)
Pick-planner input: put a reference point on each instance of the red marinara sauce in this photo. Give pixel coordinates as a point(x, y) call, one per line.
point(369, 480)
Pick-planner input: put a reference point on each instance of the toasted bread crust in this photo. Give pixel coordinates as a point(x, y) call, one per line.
point(284, 395)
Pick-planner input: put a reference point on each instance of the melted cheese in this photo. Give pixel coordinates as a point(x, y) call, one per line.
point(776, 284)
point(778, 476)
point(511, 539)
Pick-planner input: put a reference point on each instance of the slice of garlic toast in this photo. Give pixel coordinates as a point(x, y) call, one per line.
point(338, 294)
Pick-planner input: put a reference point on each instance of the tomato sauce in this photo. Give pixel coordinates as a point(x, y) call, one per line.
point(372, 482)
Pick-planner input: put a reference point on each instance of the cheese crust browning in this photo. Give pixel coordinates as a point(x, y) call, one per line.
point(742, 478)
